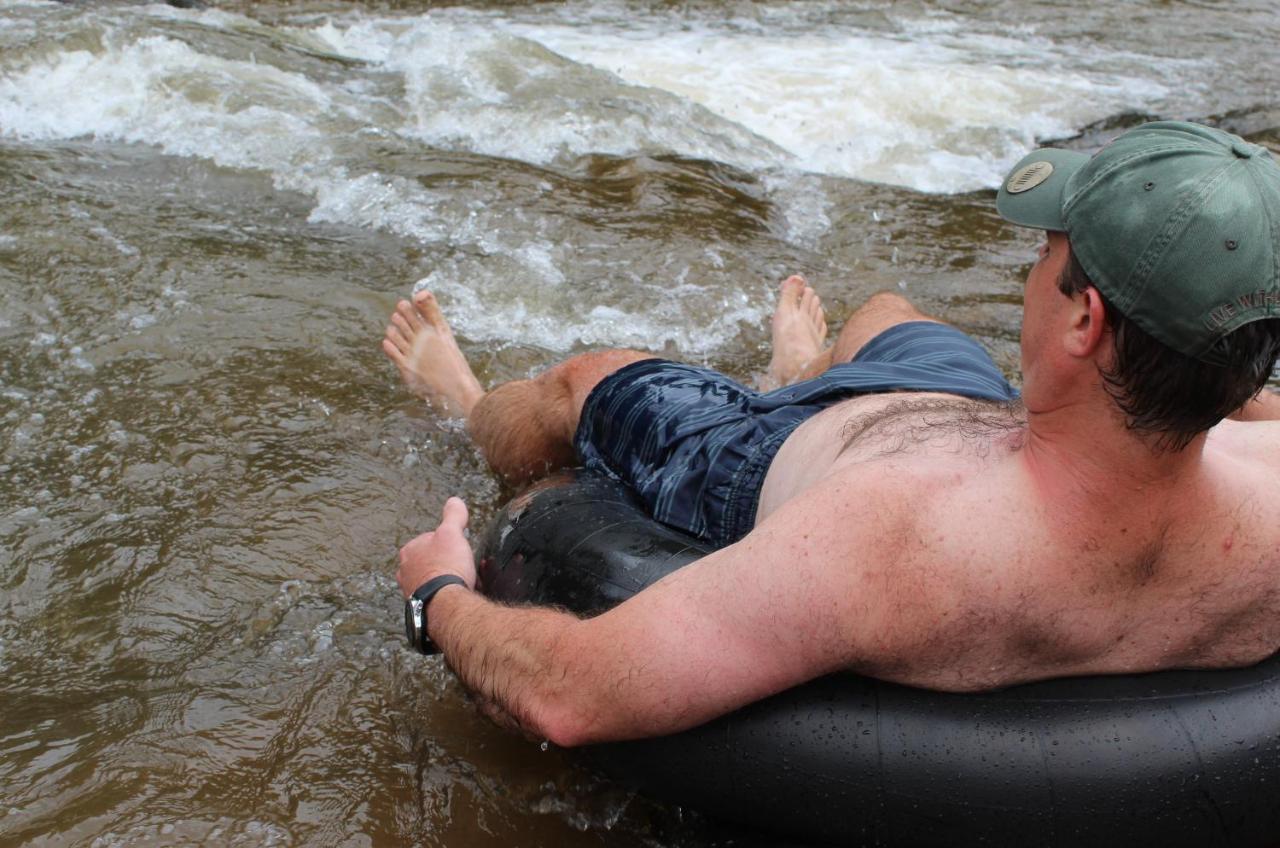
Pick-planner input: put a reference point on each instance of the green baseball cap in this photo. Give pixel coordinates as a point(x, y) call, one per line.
point(1177, 224)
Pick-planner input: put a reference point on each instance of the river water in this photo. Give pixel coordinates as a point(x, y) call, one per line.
point(206, 465)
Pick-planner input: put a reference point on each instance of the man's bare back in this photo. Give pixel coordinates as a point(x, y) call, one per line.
point(1179, 573)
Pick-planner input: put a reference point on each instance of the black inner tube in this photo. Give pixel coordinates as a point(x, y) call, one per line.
point(1180, 758)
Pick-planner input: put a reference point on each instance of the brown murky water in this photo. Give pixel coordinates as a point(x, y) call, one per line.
point(206, 466)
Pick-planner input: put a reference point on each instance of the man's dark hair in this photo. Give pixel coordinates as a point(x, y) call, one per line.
point(1168, 395)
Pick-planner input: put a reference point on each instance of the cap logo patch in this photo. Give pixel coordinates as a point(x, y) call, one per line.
point(1025, 179)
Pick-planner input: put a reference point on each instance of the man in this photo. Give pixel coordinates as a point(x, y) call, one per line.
point(898, 514)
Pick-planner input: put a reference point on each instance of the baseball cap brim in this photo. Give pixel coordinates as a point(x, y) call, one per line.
point(1031, 198)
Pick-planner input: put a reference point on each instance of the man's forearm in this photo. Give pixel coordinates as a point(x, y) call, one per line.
point(514, 661)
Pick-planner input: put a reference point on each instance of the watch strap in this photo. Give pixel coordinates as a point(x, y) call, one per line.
point(425, 592)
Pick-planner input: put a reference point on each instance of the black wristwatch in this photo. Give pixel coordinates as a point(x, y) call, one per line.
point(415, 612)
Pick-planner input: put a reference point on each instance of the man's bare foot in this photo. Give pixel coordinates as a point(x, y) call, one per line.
point(422, 346)
point(799, 329)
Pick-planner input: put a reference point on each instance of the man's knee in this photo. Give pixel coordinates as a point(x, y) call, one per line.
point(887, 306)
point(526, 427)
point(576, 377)
point(880, 312)
point(520, 427)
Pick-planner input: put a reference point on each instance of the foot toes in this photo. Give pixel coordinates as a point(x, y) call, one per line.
point(793, 287)
point(810, 302)
point(410, 316)
point(400, 323)
point(398, 339)
point(815, 309)
point(429, 309)
point(392, 351)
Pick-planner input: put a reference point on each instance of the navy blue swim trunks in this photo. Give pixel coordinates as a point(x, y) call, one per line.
point(696, 445)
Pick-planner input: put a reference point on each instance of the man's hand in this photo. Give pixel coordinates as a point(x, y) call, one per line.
point(444, 550)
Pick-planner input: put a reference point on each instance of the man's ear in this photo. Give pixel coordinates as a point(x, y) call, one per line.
point(1088, 323)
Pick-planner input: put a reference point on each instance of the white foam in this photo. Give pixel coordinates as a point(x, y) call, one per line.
point(155, 91)
point(868, 106)
point(79, 361)
point(483, 308)
point(478, 85)
point(803, 204)
point(122, 247)
point(946, 109)
point(937, 106)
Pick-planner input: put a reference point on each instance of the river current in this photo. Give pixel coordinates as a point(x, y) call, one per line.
point(206, 465)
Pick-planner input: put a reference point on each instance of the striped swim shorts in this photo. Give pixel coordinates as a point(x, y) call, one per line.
point(695, 445)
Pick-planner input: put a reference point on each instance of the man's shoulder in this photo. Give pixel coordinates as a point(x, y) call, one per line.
point(1244, 457)
point(1249, 440)
point(909, 480)
point(928, 509)
point(904, 551)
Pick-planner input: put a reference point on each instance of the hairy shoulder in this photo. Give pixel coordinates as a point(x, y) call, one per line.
point(874, 544)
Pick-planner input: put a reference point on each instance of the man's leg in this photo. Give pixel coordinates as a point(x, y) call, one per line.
point(524, 428)
point(881, 311)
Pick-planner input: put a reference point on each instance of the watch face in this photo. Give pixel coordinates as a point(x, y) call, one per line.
point(408, 624)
